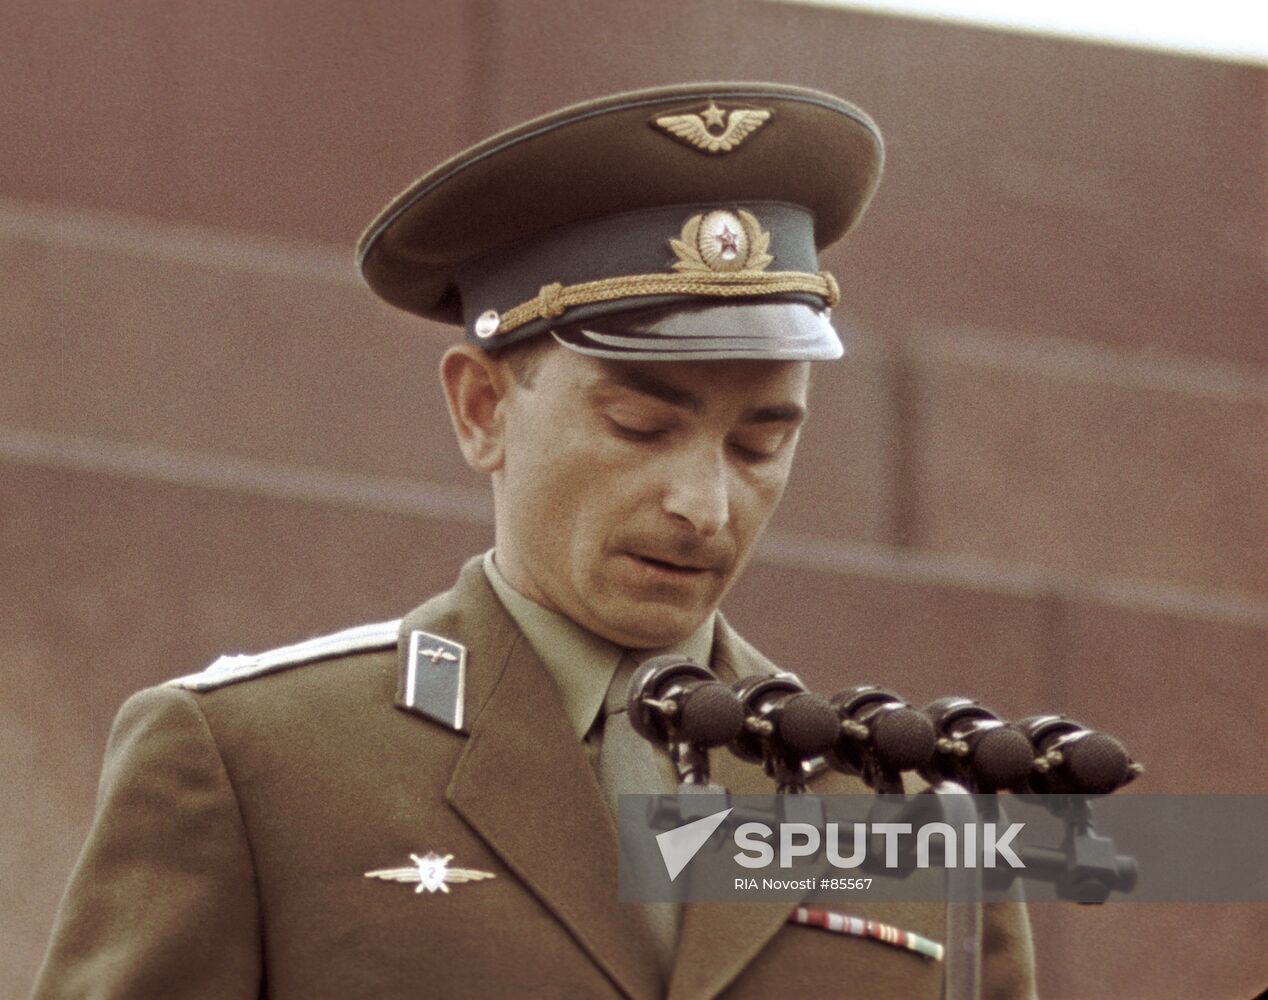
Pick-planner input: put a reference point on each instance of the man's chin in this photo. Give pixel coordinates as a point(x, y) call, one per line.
point(651, 626)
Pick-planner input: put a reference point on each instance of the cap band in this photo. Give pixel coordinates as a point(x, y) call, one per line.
point(655, 256)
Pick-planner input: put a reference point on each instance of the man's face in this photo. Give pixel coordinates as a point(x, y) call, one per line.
point(631, 494)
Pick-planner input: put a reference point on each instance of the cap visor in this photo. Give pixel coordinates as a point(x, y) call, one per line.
point(771, 331)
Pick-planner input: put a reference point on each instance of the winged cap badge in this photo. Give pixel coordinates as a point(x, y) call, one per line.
point(697, 130)
point(430, 872)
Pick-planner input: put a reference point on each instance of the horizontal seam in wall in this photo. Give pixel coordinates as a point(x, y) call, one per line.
point(777, 548)
point(826, 555)
point(198, 246)
point(1094, 363)
point(205, 246)
point(261, 478)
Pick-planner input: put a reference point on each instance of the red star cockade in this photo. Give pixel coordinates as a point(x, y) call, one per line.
point(728, 240)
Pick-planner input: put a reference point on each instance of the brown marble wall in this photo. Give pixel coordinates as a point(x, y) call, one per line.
point(1040, 477)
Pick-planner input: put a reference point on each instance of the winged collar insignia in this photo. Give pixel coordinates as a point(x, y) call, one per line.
point(431, 872)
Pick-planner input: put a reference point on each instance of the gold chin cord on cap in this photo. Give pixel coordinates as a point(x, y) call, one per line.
point(555, 299)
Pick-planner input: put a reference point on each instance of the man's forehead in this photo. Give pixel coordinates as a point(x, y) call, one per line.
point(652, 375)
point(778, 388)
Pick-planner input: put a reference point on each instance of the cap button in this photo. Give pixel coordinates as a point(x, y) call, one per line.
point(487, 323)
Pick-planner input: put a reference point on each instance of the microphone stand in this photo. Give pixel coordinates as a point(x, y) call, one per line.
point(963, 973)
point(691, 767)
point(1086, 867)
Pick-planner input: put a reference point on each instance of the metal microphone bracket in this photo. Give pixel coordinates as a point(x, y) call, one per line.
point(881, 736)
point(680, 707)
point(1087, 867)
point(1073, 759)
point(691, 767)
point(782, 728)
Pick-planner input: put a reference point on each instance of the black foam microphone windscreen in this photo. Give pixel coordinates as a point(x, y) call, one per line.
point(711, 715)
point(1002, 757)
point(903, 739)
point(807, 723)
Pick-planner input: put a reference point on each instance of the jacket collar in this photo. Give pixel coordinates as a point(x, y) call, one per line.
point(568, 857)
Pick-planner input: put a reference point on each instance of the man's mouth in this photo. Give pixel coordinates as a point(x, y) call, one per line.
point(669, 565)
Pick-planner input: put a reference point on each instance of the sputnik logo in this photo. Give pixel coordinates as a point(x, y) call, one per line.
point(679, 845)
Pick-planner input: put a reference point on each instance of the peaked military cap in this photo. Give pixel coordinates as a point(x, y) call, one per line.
point(674, 223)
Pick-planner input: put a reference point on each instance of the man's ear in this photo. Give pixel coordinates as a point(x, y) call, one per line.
point(475, 384)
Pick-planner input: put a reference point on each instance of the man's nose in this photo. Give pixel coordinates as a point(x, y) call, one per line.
point(697, 492)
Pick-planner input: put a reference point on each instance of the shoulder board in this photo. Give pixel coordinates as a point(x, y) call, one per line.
point(243, 666)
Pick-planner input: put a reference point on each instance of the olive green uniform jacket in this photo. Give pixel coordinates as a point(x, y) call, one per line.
point(234, 828)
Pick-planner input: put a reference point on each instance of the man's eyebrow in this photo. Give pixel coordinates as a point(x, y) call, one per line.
point(649, 385)
point(780, 413)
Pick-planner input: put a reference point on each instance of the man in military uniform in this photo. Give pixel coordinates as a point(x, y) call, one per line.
point(425, 806)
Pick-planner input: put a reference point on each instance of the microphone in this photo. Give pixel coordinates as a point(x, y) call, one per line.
point(785, 725)
point(682, 707)
point(1075, 760)
point(880, 736)
point(976, 748)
